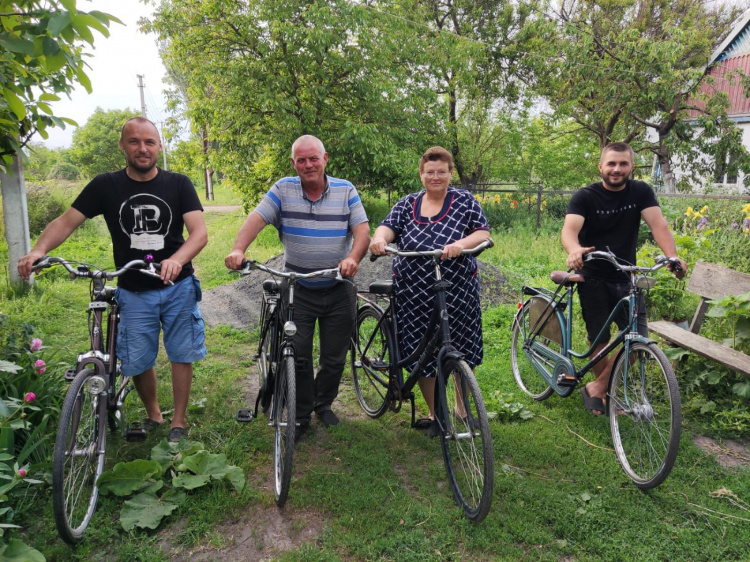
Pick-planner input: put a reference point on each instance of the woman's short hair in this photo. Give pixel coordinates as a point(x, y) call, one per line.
point(434, 154)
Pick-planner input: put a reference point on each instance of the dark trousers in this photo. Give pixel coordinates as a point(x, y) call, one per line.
point(334, 309)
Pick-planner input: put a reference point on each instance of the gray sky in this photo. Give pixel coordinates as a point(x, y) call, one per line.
point(115, 64)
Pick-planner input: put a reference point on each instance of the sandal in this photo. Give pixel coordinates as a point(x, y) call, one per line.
point(150, 425)
point(176, 433)
point(592, 403)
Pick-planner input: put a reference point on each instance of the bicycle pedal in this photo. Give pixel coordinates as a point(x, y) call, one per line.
point(567, 380)
point(380, 365)
point(70, 374)
point(135, 434)
point(245, 415)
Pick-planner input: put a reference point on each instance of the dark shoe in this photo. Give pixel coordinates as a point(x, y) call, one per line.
point(592, 403)
point(434, 429)
point(328, 418)
point(423, 424)
point(300, 430)
point(150, 425)
point(176, 433)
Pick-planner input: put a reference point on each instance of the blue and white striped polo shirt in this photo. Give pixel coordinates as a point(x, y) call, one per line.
point(315, 234)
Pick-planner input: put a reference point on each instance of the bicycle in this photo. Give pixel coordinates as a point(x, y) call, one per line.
point(643, 398)
point(94, 400)
point(277, 393)
point(460, 414)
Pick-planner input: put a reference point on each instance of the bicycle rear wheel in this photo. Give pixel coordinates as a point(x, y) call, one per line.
point(465, 438)
point(526, 375)
point(370, 356)
point(262, 362)
point(284, 422)
point(645, 414)
point(78, 458)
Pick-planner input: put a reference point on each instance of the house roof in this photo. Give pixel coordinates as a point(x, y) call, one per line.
point(737, 43)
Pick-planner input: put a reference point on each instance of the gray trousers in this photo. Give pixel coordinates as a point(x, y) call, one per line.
point(334, 309)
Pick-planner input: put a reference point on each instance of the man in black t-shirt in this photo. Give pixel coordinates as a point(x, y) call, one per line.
point(604, 215)
point(146, 210)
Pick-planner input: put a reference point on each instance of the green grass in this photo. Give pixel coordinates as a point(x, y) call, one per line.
point(376, 490)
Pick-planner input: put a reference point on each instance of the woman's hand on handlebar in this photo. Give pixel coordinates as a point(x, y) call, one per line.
point(377, 246)
point(452, 250)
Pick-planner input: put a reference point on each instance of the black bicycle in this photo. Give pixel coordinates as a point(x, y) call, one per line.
point(94, 400)
point(377, 368)
point(277, 392)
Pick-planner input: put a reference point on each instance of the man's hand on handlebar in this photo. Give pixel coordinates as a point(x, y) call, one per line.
point(575, 258)
point(26, 263)
point(234, 259)
point(678, 267)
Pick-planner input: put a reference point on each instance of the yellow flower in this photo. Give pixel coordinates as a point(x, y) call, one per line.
point(689, 211)
point(746, 208)
point(496, 199)
point(746, 230)
point(704, 209)
point(478, 198)
point(697, 215)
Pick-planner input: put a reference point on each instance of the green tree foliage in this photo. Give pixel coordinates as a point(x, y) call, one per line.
point(258, 74)
point(40, 162)
point(95, 149)
point(619, 68)
point(41, 56)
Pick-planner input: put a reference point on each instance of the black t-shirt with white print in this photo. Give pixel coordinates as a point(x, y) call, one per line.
point(611, 220)
point(143, 218)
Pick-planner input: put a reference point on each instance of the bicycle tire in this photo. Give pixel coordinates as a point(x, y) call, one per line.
point(465, 440)
point(263, 363)
point(367, 349)
point(645, 431)
point(284, 422)
point(527, 377)
point(76, 464)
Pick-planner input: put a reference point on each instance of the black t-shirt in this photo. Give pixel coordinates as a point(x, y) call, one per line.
point(611, 220)
point(143, 218)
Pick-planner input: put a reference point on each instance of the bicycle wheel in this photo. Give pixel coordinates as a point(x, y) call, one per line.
point(284, 422)
point(645, 414)
point(78, 458)
point(525, 373)
point(370, 356)
point(263, 360)
point(465, 438)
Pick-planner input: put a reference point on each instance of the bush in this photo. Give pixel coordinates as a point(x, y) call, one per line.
point(43, 206)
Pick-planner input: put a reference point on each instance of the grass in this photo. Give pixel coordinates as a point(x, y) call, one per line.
point(376, 490)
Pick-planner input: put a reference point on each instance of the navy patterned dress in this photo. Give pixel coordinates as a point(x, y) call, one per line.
point(413, 278)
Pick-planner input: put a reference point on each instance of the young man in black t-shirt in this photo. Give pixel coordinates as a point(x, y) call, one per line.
point(146, 210)
point(607, 214)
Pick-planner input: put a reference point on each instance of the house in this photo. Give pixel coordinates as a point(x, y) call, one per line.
point(732, 55)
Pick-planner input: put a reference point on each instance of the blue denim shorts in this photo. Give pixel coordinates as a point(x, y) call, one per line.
point(173, 309)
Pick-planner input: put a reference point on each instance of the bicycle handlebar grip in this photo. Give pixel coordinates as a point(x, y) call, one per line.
point(373, 257)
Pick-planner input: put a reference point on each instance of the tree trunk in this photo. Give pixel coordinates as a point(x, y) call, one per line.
point(207, 172)
point(16, 218)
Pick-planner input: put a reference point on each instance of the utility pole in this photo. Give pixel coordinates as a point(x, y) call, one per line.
point(141, 85)
point(16, 217)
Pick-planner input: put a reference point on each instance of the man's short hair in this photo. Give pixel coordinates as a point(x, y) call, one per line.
point(619, 147)
point(435, 154)
point(308, 138)
point(140, 120)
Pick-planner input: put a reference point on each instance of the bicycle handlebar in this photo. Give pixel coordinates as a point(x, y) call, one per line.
point(661, 261)
point(151, 268)
point(436, 253)
point(249, 265)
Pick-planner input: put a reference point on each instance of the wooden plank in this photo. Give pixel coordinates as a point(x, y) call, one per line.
point(704, 347)
point(714, 281)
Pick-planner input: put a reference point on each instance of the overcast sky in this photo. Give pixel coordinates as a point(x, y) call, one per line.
point(114, 66)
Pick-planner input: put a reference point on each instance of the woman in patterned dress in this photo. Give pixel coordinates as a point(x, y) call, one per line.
point(437, 217)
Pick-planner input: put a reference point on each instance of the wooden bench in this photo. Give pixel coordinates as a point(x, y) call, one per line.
point(709, 281)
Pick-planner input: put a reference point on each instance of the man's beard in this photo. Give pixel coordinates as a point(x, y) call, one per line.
point(609, 182)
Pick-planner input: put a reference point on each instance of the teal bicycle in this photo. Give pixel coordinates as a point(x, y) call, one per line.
point(643, 398)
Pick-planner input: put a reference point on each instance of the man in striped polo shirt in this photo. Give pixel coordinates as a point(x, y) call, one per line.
point(322, 224)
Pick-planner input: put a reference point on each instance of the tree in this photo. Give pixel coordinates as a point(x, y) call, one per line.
point(41, 57)
point(620, 68)
point(95, 145)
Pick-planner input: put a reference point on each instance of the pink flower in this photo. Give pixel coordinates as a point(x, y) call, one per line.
point(21, 473)
point(39, 365)
point(29, 397)
point(36, 344)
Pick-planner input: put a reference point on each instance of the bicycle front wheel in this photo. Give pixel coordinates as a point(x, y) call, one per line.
point(645, 414)
point(78, 458)
point(526, 375)
point(370, 356)
point(284, 422)
point(465, 438)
